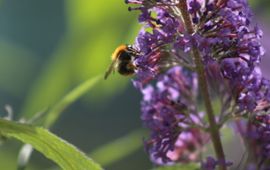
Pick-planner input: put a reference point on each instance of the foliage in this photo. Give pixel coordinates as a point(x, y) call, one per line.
point(54, 148)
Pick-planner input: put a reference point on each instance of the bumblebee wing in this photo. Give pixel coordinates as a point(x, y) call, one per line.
point(110, 69)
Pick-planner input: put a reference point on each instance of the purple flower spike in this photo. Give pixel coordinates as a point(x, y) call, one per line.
point(211, 163)
point(224, 34)
point(256, 135)
point(169, 112)
point(215, 41)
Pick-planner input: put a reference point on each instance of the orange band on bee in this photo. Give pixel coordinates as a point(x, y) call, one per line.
point(118, 50)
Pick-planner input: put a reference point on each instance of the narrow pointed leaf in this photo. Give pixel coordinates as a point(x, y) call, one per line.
point(62, 153)
point(68, 99)
point(119, 148)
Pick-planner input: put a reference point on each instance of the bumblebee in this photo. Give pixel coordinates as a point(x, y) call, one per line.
point(123, 61)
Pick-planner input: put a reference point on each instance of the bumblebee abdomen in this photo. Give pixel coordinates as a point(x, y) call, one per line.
point(126, 68)
point(124, 56)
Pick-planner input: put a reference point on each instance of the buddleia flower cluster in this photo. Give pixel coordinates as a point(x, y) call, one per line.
point(193, 52)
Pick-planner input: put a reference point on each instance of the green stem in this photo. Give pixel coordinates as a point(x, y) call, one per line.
point(214, 130)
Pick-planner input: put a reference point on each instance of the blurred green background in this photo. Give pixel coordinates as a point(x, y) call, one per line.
point(47, 47)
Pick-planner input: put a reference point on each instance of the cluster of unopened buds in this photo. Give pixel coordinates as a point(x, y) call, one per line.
point(196, 63)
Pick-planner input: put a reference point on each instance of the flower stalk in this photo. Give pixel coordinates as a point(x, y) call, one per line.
point(217, 38)
point(214, 130)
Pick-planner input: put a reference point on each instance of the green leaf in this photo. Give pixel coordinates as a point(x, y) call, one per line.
point(54, 113)
point(91, 36)
point(51, 146)
point(69, 98)
point(118, 149)
point(190, 166)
